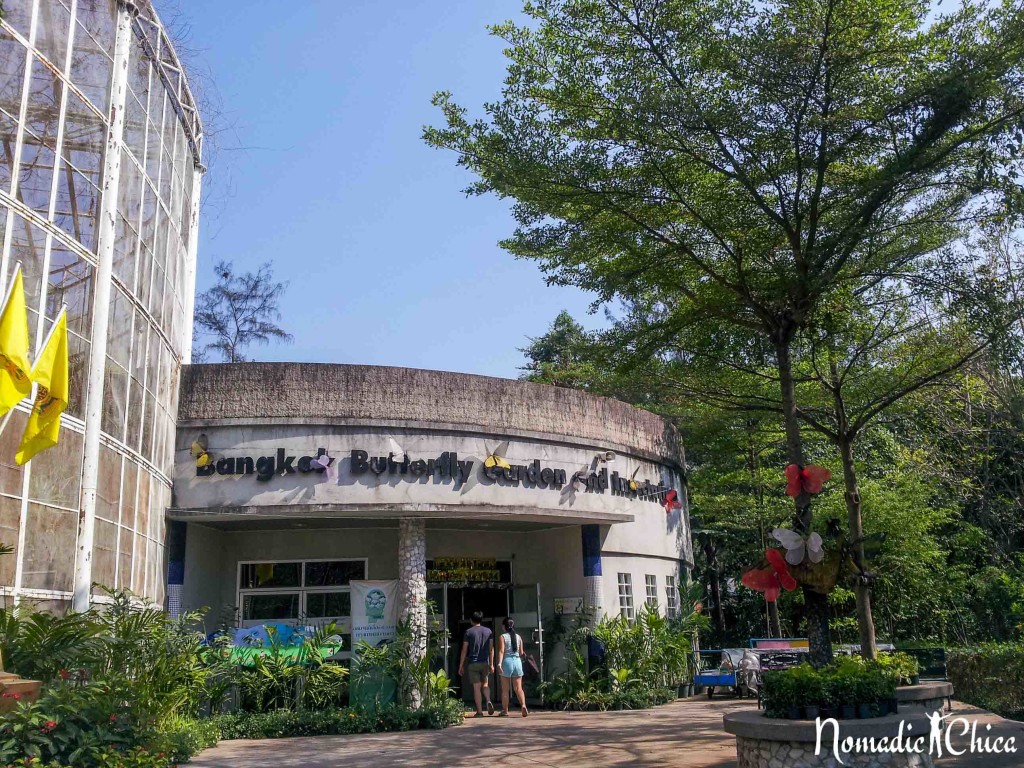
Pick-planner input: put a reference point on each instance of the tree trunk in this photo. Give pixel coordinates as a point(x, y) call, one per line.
point(816, 605)
point(711, 553)
point(774, 627)
point(816, 612)
point(865, 622)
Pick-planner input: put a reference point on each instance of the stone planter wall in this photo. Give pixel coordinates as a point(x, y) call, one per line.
point(763, 742)
point(930, 697)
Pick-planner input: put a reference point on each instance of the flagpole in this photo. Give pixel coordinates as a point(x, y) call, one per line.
point(53, 328)
point(10, 285)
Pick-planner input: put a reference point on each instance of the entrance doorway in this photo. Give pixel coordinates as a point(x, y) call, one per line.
point(454, 607)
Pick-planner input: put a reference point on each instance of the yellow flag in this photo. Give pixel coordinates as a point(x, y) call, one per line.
point(15, 384)
point(50, 374)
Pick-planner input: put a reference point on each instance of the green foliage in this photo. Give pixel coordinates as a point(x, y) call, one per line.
point(990, 676)
point(902, 665)
point(279, 678)
point(78, 724)
point(849, 681)
point(38, 645)
point(126, 685)
point(376, 668)
point(559, 357)
point(186, 738)
point(748, 182)
point(645, 660)
point(135, 758)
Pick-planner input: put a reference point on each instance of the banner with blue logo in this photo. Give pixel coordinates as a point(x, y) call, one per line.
point(374, 612)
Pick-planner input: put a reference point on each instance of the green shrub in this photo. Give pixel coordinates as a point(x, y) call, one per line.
point(848, 681)
point(284, 723)
point(990, 677)
point(186, 738)
point(78, 724)
point(645, 659)
point(135, 758)
point(903, 665)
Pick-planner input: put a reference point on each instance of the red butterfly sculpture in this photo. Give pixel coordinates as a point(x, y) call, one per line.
point(770, 580)
point(810, 479)
point(672, 502)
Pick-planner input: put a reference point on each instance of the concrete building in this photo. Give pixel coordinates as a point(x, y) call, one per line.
point(578, 516)
point(100, 167)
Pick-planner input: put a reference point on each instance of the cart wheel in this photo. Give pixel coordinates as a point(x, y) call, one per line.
point(711, 691)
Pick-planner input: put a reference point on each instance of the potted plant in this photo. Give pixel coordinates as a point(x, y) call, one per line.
point(842, 693)
point(781, 694)
point(813, 685)
point(865, 691)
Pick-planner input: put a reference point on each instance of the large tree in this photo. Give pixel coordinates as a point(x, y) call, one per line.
point(738, 161)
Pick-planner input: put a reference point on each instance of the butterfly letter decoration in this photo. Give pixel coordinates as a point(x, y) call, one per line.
point(200, 451)
point(797, 547)
point(672, 501)
point(810, 479)
point(496, 458)
point(771, 580)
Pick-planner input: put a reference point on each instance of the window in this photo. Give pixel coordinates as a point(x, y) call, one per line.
point(671, 596)
point(299, 591)
point(626, 595)
point(651, 582)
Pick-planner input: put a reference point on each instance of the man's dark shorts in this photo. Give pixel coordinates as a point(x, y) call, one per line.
point(478, 673)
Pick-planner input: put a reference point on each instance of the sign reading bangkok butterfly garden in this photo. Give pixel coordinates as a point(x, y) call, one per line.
point(447, 465)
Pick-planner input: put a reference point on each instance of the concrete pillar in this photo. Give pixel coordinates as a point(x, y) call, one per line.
point(412, 584)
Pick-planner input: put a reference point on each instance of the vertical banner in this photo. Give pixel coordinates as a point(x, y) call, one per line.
point(374, 612)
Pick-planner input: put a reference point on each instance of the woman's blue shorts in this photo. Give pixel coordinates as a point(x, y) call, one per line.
point(512, 666)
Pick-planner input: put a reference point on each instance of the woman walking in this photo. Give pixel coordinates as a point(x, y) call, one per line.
point(510, 651)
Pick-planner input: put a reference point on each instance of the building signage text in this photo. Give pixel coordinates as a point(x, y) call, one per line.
point(447, 465)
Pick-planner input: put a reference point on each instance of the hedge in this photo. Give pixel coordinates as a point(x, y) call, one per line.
point(989, 676)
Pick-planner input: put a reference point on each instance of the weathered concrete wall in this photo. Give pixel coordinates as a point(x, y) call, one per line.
point(368, 394)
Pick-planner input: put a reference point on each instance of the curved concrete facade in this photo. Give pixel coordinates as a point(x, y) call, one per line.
point(578, 505)
point(408, 397)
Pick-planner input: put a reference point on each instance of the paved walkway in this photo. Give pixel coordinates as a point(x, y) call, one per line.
point(685, 734)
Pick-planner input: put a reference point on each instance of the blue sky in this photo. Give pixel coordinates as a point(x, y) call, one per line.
point(322, 172)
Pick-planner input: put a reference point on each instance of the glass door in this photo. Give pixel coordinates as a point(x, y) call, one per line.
point(525, 610)
point(439, 644)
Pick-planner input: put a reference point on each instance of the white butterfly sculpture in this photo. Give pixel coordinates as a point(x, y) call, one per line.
point(797, 547)
point(396, 450)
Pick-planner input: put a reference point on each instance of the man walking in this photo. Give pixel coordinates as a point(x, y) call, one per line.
point(478, 650)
